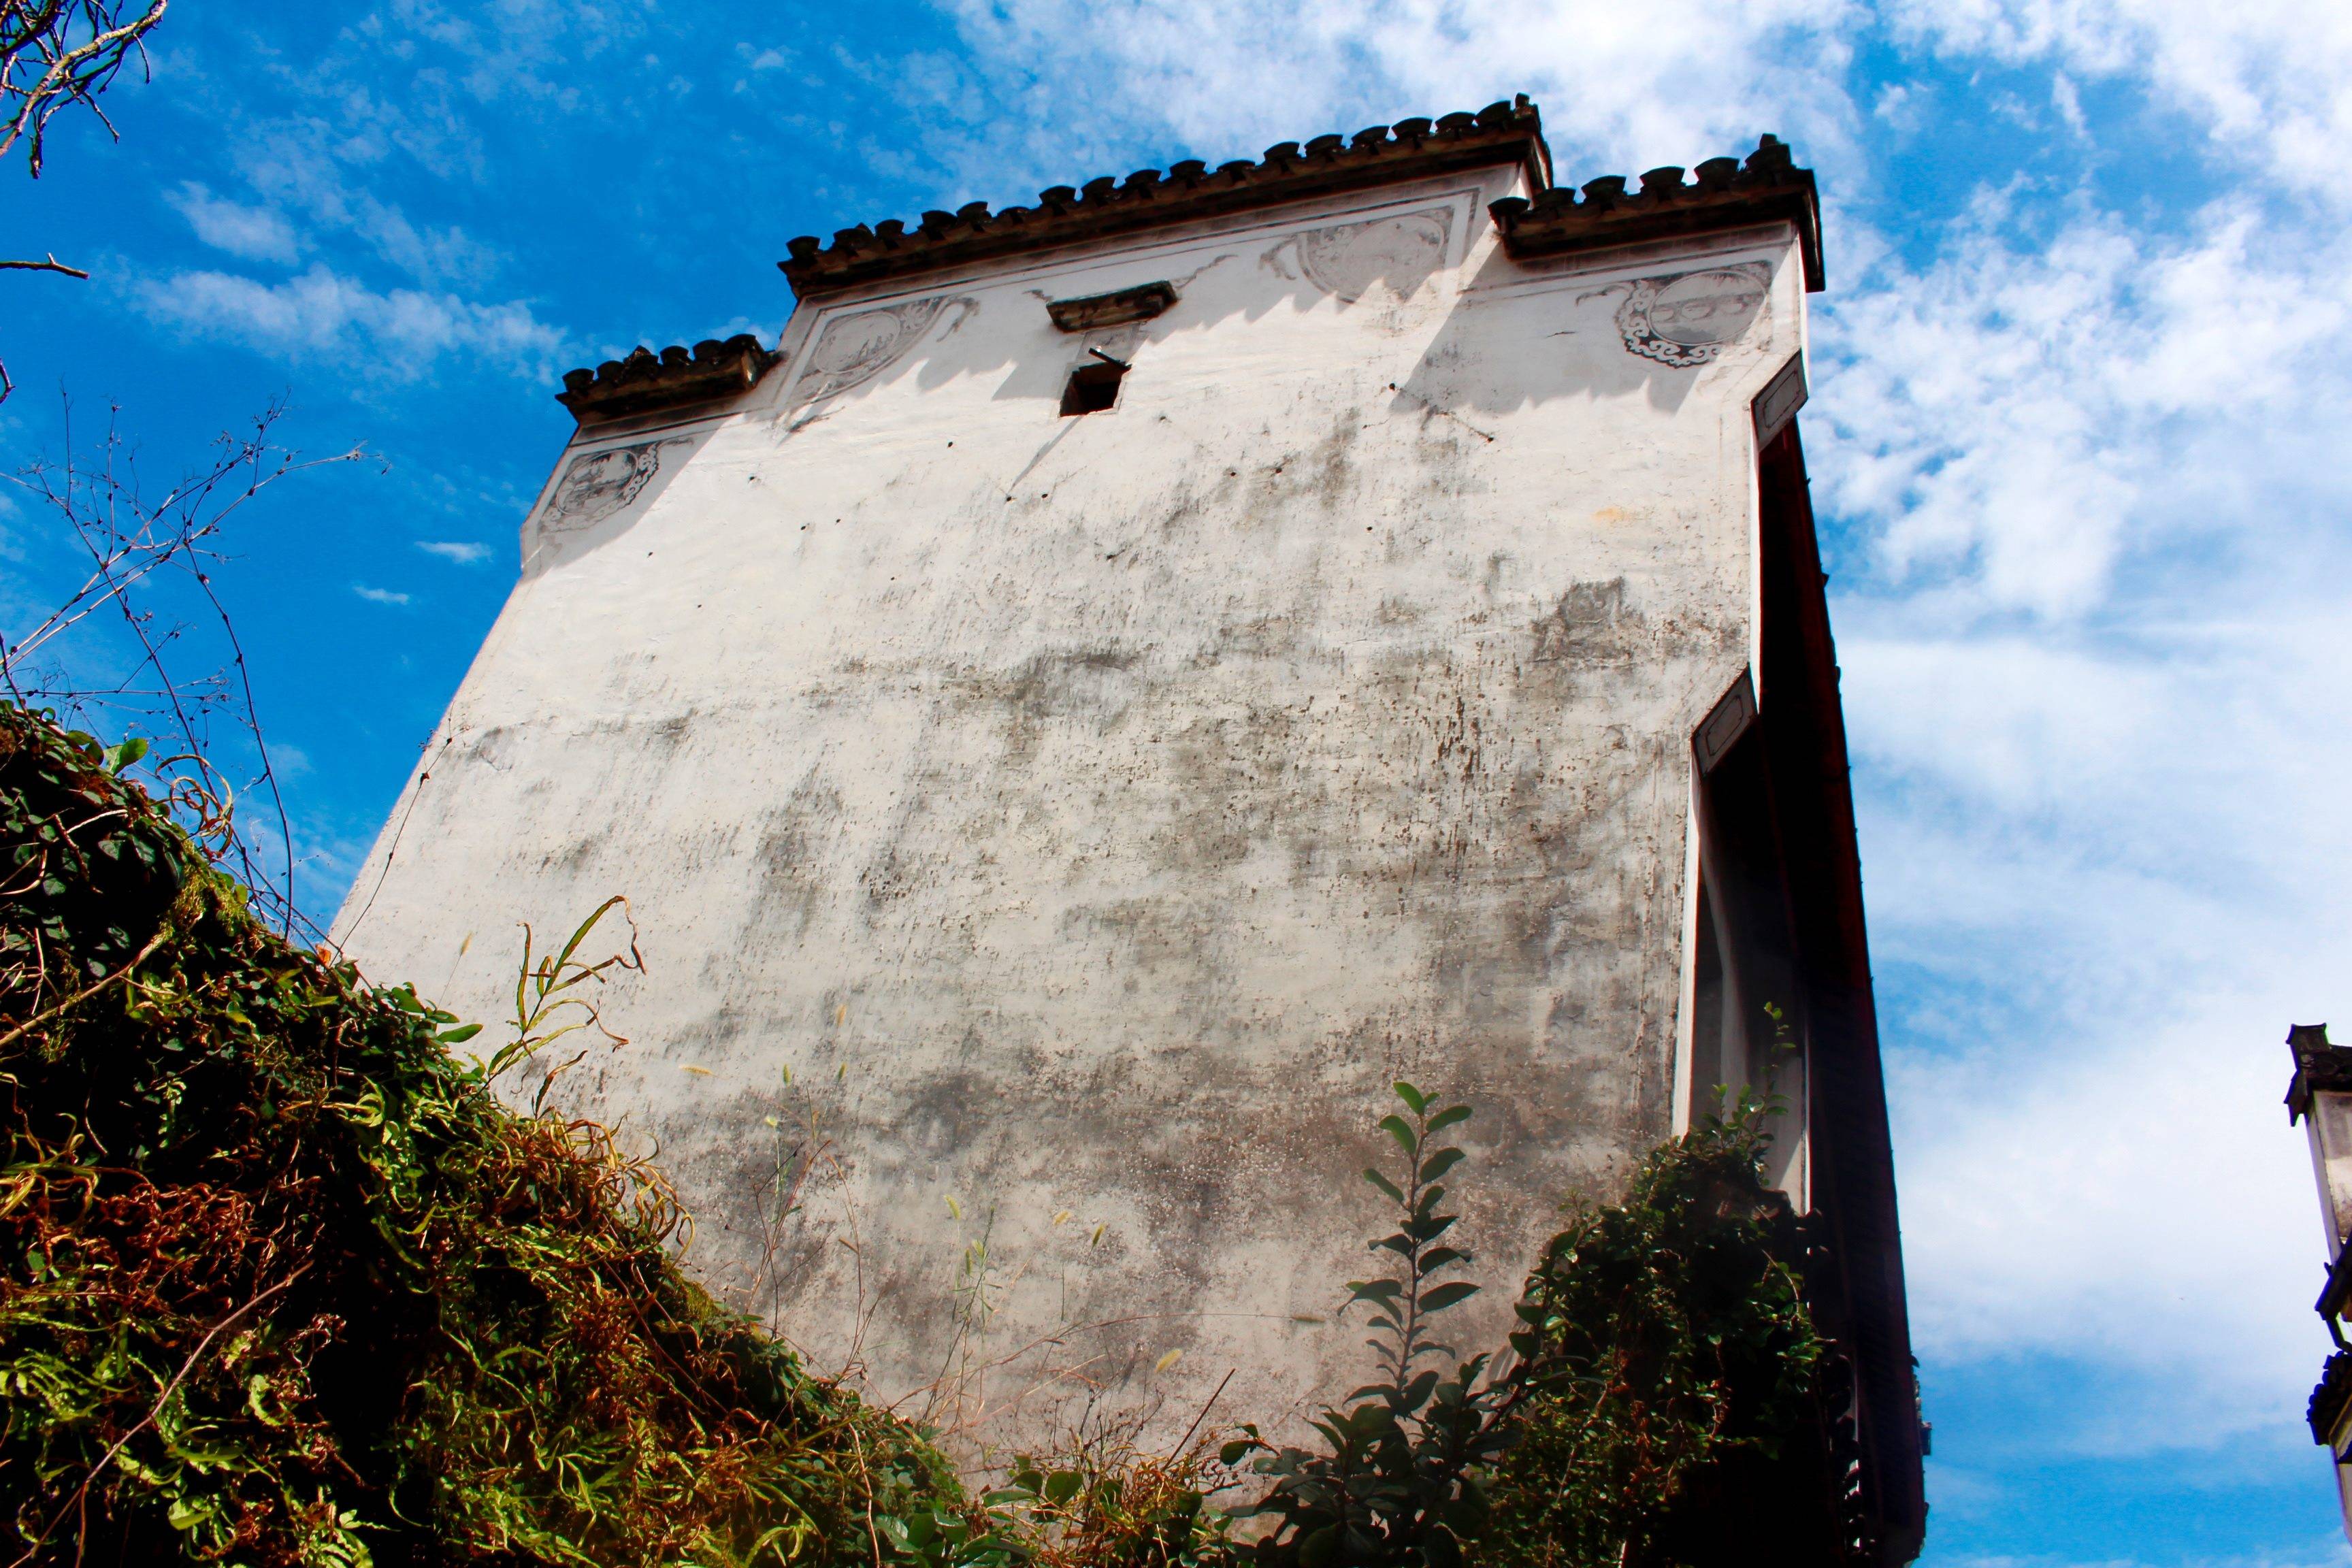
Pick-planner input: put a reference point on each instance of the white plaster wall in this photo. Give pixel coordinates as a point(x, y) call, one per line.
point(1092, 816)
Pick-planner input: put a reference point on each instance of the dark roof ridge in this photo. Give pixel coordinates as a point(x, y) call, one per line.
point(1769, 185)
point(1511, 129)
point(645, 380)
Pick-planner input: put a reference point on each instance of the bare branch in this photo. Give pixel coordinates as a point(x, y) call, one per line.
point(50, 265)
point(55, 54)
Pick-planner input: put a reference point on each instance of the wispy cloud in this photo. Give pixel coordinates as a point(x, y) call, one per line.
point(255, 233)
point(323, 172)
point(379, 596)
point(463, 552)
point(2268, 81)
point(398, 334)
point(2093, 637)
point(1679, 79)
point(2006, 419)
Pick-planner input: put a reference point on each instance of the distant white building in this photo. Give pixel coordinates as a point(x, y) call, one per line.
point(1127, 679)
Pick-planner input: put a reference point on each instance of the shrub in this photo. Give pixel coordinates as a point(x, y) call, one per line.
point(1673, 1374)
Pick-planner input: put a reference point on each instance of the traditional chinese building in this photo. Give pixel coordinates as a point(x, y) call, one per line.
point(1123, 680)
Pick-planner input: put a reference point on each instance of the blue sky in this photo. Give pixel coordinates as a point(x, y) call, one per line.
point(2078, 438)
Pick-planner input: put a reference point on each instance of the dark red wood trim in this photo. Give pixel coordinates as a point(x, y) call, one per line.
point(1803, 728)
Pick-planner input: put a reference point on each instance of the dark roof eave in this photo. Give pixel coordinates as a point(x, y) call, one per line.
point(1727, 193)
point(1501, 132)
point(674, 378)
point(2320, 1067)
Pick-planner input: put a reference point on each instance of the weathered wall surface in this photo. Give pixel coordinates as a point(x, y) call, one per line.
point(1092, 816)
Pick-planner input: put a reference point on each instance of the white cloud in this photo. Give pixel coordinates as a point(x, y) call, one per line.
point(2005, 412)
point(318, 171)
point(2270, 80)
point(1675, 81)
point(463, 552)
point(2142, 1204)
point(2093, 649)
point(399, 335)
point(379, 596)
point(256, 234)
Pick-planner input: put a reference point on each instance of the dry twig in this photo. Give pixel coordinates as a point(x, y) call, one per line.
point(138, 548)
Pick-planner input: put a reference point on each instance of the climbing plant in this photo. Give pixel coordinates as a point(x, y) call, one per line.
point(1674, 1376)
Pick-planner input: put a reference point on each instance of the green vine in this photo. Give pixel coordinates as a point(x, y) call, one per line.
point(1673, 1375)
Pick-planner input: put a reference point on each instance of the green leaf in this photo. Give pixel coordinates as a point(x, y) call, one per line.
point(1414, 1395)
point(460, 1035)
point(120, 757)
point(1394, 1126)
point(1062, 1486)
point(1415, 1100)
point(1395, 1193)
point(1448, 1116)
point(1437, 1164)
point(1430, 1229)
point(1437, 1258)
point(1448, 1295)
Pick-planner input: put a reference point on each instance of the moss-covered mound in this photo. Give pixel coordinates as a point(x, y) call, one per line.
point(282, 1282)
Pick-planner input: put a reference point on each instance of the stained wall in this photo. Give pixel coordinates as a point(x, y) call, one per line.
point(1047, 836)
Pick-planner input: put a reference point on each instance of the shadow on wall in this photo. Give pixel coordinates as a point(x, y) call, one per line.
point(1654, 336)
point(1379, 264)
point(600, 495)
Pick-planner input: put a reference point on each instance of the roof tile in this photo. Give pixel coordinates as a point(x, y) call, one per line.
point(646, 381)
point(1727, 194)
point(1149, 198)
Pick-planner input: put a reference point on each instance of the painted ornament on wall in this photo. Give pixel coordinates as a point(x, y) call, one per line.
point(595, 485)
point(1347, 259)
point(1685, 319)
point(853, 349)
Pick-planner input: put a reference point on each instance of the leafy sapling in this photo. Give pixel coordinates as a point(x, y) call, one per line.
point(1401, 1304)
point(1399, 1484)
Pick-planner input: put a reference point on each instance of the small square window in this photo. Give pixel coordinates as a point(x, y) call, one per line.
point(1093, 388)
